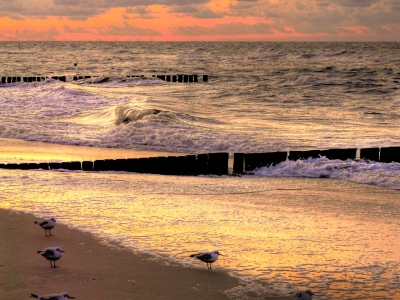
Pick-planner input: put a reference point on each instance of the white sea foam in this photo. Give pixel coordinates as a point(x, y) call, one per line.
point(366, 172)
point(122, 82)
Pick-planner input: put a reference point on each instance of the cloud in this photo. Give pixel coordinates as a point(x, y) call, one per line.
point(184, 9)
point(355, 3)
point(128, 30)
point(307, 18)
point(79, 9)
point(77, 30)
point(224, 29)
point(208, 14)
point(75, 9)
point(32, 35)
point(319, 17)
point(142, 11)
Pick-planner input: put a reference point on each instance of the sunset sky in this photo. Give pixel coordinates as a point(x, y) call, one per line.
point(200, 20)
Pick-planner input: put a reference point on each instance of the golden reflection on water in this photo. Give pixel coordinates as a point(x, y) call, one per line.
point(337, 238)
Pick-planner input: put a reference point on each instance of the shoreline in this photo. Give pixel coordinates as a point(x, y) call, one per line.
point(14, 151)
point(90, 269)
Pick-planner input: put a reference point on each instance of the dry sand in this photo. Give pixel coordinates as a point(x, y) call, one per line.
point(89, 269)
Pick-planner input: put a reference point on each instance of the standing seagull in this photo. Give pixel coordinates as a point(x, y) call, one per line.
point(62, 296)
point(304, 295)
point(207, 257)
point(47, 224)
point(52, 254)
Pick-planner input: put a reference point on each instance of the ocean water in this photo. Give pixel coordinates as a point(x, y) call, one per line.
point(338, 236)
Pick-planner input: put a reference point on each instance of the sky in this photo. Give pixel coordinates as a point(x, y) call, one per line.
point(200, 20)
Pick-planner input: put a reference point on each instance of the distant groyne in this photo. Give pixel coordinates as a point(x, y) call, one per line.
point(171, 78)
point(212, 163)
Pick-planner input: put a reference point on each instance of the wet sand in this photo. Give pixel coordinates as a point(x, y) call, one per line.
point(91, 270)
point(15, 151)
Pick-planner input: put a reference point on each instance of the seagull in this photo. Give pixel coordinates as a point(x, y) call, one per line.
point(62, 296)
point(51, 254)
point(47, 224)
point(304, 295)
point(207, 257)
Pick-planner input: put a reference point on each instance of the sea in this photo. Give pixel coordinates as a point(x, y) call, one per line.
point(329, 225)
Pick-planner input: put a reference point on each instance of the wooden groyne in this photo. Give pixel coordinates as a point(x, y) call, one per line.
point(181, 78)
point(171, 78)
point(208, 163)
point(212, 163)
point(15, 79)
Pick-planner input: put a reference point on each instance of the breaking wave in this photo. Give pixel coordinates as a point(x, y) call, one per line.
point(362, 171)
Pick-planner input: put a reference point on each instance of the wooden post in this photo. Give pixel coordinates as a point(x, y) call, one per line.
point(238, 163)
point(390, 154)
point(342, 154)
point(370, 154)
point(295, 155)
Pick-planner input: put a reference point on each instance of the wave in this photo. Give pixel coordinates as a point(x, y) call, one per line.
point(118, 81)
point(17, 52)
point(267, 56)
point(121, 114)
point(126, 114)
point(98, 81)
point(362, 171)
point(122, 51)
point(330, 53)
point(307, 55)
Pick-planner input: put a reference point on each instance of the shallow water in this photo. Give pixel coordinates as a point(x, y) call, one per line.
point(338, 238)
point(260, 96)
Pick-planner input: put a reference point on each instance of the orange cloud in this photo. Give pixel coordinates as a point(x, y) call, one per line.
point(361, 30)
point(179, 20)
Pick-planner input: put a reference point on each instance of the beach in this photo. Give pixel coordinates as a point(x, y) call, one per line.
point(89, 269)
point(320, 223)
point(129, 236)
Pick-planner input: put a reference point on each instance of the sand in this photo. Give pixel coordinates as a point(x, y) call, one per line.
point(89, 269)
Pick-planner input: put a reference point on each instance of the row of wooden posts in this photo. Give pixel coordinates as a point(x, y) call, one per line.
point(211, 163)
point(30, 79)
point(181, 78)
point(171, 78)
